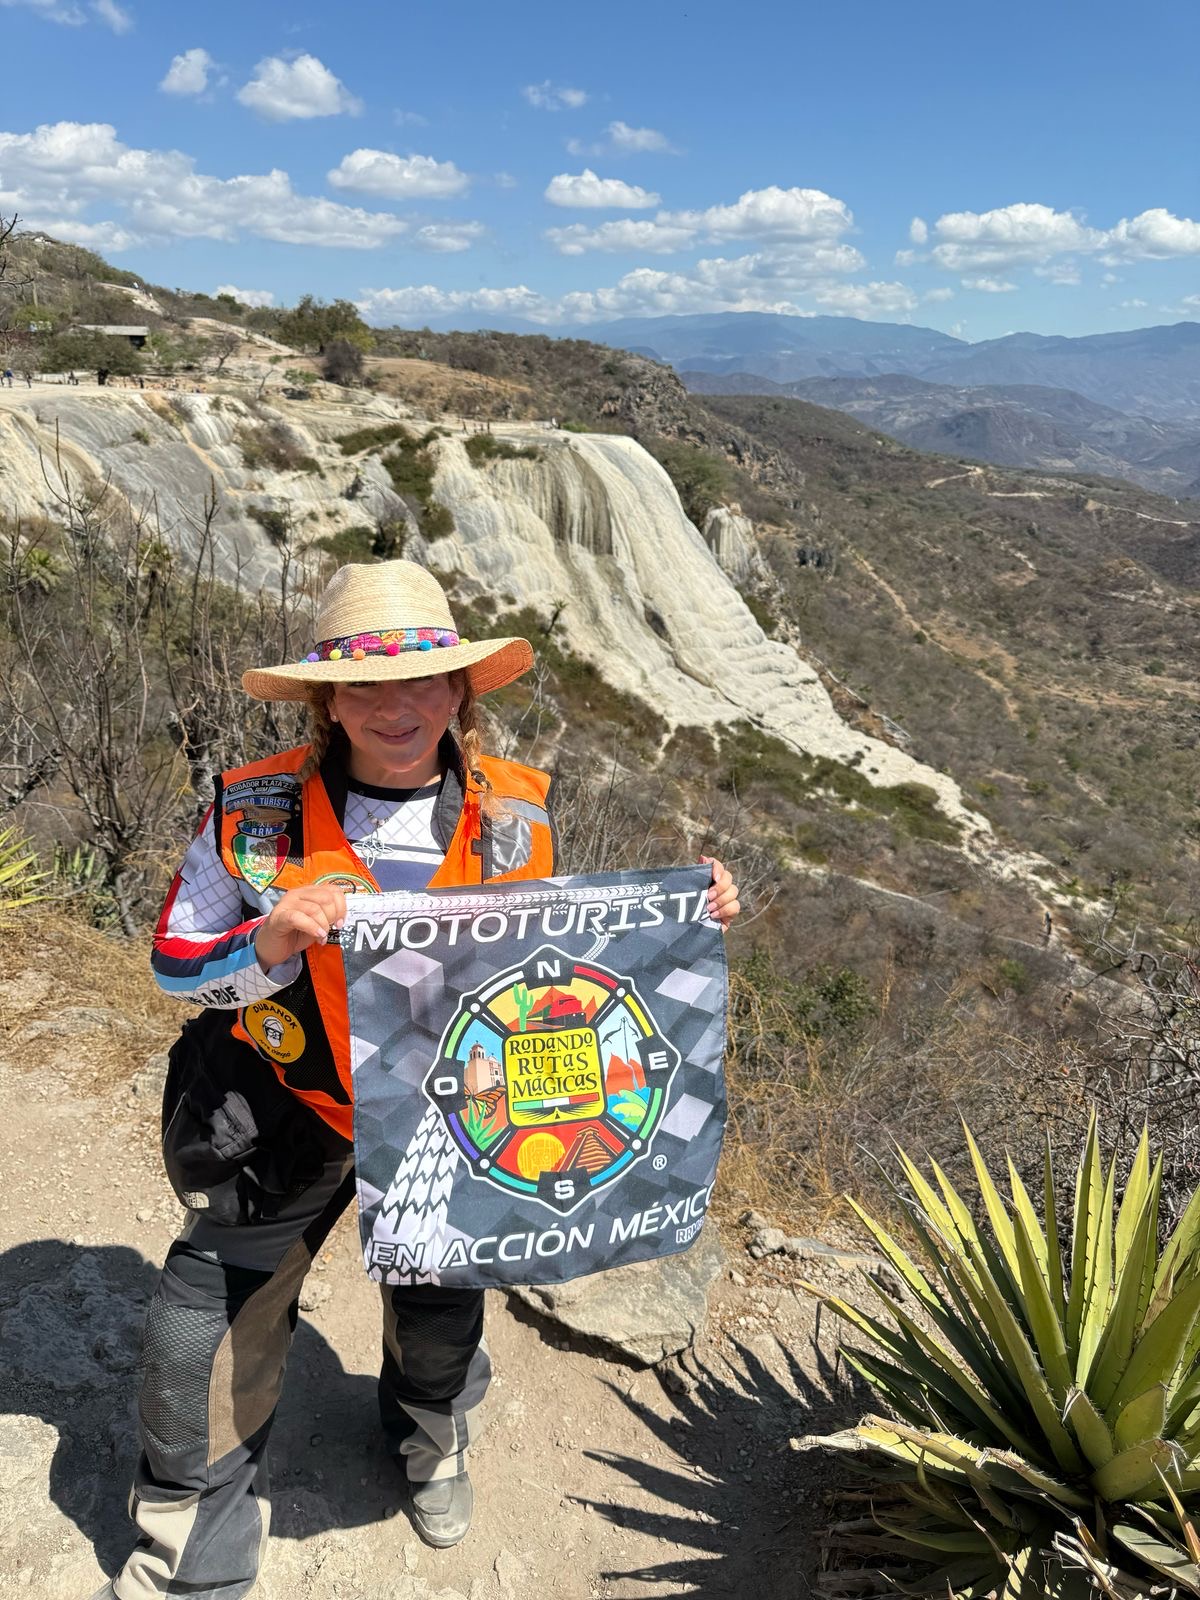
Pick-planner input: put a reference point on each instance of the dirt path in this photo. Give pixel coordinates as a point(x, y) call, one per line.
point(594, 1478)
point(952, 644)
point(955, 477)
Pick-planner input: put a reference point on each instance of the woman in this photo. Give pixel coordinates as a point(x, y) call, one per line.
point(257, 1113)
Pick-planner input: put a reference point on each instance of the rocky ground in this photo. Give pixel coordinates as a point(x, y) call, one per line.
point(597, 1475)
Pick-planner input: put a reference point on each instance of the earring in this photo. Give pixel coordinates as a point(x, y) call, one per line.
point(333, 716)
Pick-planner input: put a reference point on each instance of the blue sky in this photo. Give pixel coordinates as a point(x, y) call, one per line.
point(970, 167)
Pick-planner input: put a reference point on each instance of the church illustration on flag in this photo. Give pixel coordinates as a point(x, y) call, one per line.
point(553, 1078)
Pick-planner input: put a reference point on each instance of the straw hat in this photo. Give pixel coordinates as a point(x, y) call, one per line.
point(388, 620)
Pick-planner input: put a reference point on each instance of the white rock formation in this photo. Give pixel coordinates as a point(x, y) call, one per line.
point(598, 523)
point(730, 537)
point(594, 522)
point(162, 451)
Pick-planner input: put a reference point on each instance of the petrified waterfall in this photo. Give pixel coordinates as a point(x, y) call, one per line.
point(592, 525)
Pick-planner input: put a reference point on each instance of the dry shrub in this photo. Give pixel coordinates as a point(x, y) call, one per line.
point(129, 1016)
point(817, 1099)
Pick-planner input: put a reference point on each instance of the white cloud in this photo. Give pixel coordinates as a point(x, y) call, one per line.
point(865, 299)
point(585, 190)
point(628, 234)
point(1064, 273)
point(918, 232)
point(188, 73)
point(935, 296)
point(61, 169)
point(247, 297)
point(1034, 235)
point(968, 241)
point(620, 139)
point(281, 90)
point(63, 11)
point(1140, 305)
point(802, 217)
point(409, 119)
point(635, 141)
point(115, 16)
point(418, 301)
point(72, 14)
point(448, 237)
point(108, 237)
point(989, 285)
point(505, 180)
point(1154, 235)
point(773, 213)
point(770, 280)
point(398, 177)
point(547, 96)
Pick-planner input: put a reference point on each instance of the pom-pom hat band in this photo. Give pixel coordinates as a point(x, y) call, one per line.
point(388, 620)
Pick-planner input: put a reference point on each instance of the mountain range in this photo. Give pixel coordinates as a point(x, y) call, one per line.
point(1150, 372)
point(1009, 425)
point(1121, 405)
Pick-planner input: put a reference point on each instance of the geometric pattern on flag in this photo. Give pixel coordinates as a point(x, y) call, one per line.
point(517, 1127)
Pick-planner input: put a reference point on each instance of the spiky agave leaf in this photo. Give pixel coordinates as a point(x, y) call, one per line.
point(1041, 1403)
point(20, 876)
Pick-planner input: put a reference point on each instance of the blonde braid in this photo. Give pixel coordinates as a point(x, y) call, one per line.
point(320, 699)
point(470, 723)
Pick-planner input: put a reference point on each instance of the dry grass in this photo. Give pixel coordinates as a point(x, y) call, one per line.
point(432, 387)
point(100, 1016)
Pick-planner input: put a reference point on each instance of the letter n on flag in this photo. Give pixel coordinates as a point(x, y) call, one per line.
point(538, 1085)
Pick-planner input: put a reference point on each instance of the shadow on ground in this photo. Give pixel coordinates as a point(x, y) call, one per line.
point(747, 1504)
point(70, 1336)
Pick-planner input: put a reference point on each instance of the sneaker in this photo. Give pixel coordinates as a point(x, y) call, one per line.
point(441, 1510)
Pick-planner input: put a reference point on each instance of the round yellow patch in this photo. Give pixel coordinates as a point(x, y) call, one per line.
point(274, 1030)
point(541, 1152)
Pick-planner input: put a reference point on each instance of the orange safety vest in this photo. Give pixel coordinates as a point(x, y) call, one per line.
point(277, 834)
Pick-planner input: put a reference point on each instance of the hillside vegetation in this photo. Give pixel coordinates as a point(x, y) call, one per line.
point(1033, 637)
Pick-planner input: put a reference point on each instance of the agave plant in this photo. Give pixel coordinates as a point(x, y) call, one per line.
point(1044, 1435)
point(19, 874)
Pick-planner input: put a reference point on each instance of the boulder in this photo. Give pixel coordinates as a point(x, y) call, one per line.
point(149, 1083)
point(767, 1242)
point(77, 1022)
point(645, 1312)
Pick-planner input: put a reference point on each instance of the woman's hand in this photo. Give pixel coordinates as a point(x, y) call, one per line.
point(301, 918)
point(723, 902)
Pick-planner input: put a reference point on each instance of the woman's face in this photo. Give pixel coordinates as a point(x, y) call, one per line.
point(395, 727)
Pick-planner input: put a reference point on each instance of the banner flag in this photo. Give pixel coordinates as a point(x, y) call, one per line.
point(538, 1088)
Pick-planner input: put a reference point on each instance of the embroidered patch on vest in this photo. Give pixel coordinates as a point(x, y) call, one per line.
point(270, 812)
point(275, 1031)
point(347, 882)
point(259, 860)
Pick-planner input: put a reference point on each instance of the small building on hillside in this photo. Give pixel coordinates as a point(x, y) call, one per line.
point(118, 330)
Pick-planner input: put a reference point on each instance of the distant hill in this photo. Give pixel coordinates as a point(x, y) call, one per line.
point(1010, 425)
point(782, 347)
point(1151, 372)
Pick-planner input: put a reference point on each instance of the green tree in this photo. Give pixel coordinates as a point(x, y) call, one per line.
point(313, 324)
point(94, 352)
point(701, 480)
point(170, 351)
point(342, 363)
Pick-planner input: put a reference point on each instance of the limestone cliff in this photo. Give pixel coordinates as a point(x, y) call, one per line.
point(592, 520)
